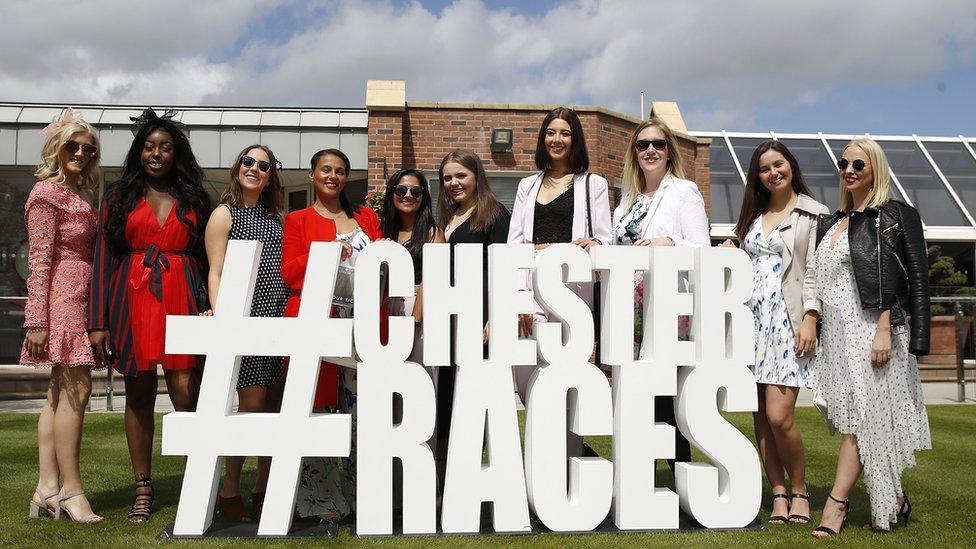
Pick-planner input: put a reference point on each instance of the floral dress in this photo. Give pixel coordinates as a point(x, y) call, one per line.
point(327, 487)
point(882, 407)
point(776, 360)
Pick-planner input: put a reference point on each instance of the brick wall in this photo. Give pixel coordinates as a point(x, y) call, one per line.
point(422, 134)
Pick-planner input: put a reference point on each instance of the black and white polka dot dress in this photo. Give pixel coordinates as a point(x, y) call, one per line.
point(881, 406)
point(270, 292)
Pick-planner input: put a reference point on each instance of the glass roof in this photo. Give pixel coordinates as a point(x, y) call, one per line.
point(936, 174)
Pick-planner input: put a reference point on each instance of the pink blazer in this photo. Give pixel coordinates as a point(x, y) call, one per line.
point(523, 212)
point(523, 221)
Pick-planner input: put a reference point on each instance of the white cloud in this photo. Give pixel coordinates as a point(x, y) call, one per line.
point(738, 58)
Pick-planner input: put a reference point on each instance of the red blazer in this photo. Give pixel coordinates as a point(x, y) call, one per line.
point(303, 227)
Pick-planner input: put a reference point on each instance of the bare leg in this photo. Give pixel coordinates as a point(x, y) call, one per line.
point(250, 399)
point(848, 471)
point(184, 388)
point(272, 404)
point(140, 402)
point(47, 462)
point(75, 389)
point(775, 473)
point(780, 413)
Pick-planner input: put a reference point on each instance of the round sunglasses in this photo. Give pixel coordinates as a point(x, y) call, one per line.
point(86, 149)
point(402, 190)
point(264, 166)
point(858, 164)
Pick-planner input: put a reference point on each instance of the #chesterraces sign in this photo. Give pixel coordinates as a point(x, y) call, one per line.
point(708, 374)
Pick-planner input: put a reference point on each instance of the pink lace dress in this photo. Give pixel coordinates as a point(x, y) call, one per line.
point(61, 233)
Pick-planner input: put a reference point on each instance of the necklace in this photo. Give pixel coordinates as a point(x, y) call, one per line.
point(561, 181)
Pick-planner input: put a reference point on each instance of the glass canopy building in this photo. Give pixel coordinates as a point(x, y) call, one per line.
point(935, 174)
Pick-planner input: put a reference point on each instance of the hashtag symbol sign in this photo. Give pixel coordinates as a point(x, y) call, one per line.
point(213, 431)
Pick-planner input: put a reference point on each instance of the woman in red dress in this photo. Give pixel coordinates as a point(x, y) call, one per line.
point(149, 263)
point(332, 217)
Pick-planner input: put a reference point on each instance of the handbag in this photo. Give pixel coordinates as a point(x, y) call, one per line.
point(596, 283)
point(820, 403)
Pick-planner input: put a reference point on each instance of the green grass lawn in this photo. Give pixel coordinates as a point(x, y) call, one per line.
point(942, 490)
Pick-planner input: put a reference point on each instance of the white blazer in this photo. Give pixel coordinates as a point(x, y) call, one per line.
point(677, 211)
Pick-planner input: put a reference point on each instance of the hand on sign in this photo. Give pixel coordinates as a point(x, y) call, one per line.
point(659, 241)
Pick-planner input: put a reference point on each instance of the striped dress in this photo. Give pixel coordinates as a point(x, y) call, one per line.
point(134, 289)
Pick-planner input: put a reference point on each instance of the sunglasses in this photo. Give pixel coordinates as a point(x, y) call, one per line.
point(86, 149)
point(402, 190)
point(248, 161)
point(858, 164)
point(658, 144)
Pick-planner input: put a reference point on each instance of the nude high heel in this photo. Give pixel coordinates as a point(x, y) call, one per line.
point(35, 508)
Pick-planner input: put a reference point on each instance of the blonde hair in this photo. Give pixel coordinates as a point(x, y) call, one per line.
point(50, 166)
point(632, 180)
point(881, 189)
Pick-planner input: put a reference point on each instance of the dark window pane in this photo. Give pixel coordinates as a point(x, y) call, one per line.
point(923, 186)
point(726, 185)
point(958, 166)
point(819, 171)
point(744, 146)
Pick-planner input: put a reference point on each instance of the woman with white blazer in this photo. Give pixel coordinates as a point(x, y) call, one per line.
point(659, 208)
point(562, 203)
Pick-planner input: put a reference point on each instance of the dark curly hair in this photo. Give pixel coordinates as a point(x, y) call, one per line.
point(186, 185)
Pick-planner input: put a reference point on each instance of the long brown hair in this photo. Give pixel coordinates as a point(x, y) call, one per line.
point(272, 196)
point(486, 209)
point(755, 200)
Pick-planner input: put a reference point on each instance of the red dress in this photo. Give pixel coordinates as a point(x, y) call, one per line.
point(134, 291)
point(302, 227)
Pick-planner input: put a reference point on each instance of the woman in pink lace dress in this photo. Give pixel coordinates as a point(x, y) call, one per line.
point(61, 232)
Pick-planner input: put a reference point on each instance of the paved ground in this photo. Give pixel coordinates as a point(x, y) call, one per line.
point(935, 393)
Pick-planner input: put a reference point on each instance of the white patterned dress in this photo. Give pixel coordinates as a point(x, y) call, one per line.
point(776, 360)
point(327, 486)
point(882, 407)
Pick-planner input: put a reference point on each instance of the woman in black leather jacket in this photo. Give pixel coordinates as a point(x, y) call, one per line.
point(872, 271)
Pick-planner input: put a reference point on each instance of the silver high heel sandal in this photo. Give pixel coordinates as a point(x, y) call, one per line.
point(35, 508)
point(90, 519)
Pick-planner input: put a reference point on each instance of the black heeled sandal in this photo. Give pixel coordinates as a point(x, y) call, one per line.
point(830, 531)
point(906, 509)
point(779, 519)
point(797, 518)
point(904, 512)
point(142, 504)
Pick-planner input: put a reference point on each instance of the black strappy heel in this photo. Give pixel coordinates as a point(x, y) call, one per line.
point(779, 519)
point(796, 518)
point(830, 531)
point(142, 503)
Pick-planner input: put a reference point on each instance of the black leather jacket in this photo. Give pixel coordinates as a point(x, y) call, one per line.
point(891, 265)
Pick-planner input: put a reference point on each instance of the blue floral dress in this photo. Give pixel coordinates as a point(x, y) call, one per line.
point(776, 360)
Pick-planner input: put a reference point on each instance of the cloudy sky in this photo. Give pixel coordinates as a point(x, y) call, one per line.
point(836, 66)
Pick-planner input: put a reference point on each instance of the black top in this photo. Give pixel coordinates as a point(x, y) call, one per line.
point(554, 221)
point(496, 233)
